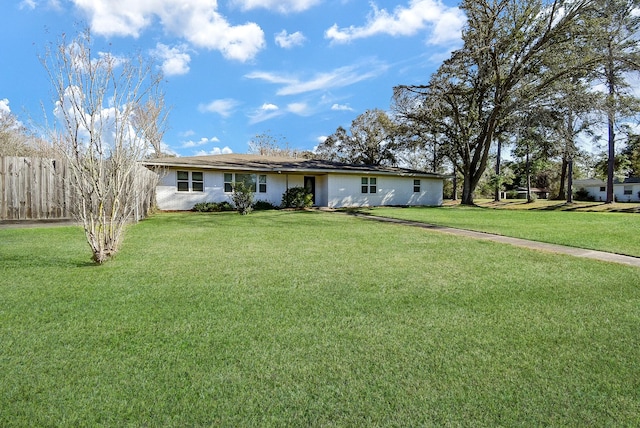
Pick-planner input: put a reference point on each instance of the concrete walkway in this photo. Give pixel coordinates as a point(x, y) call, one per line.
point(534, 245)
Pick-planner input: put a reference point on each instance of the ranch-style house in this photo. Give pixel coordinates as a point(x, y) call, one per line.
point(626, 191)
point(186, 181)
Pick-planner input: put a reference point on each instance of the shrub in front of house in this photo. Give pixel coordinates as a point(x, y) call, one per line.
point(297, 197)
point(583, 195)
point(242, 197)
point(212, 207)
point(264, 206)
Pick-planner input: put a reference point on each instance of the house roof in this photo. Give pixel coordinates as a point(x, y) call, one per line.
point(257, 163)
point(586, 182)
point(596, 182)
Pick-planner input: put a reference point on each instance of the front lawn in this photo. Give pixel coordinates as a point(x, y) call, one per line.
point(311, 319)
point(605, 231)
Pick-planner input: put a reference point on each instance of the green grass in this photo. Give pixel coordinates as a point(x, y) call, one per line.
point(311, 319)
point(605, 231)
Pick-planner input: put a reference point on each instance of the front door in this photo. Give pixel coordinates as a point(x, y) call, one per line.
point(310, 186)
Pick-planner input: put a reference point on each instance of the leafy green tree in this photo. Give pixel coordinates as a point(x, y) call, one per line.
point(632, 153)
point(513, 53)
point(615, 38)
point(372, 140)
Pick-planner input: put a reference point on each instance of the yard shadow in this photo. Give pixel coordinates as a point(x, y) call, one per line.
point(15, 262)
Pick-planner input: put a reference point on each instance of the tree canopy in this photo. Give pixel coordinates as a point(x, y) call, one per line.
point(371, 140)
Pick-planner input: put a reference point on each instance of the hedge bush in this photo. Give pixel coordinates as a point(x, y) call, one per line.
point(297, 197)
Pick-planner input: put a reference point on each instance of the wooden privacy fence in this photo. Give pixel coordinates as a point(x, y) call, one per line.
point(34, 188)
point(38, 189)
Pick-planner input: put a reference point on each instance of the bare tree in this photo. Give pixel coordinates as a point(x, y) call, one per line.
point(100, 132)
point(151, 117)
point(17, 140)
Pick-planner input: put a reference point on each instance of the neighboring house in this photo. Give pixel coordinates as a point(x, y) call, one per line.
point(539, 193)
point(627, 191)
point(186, 181)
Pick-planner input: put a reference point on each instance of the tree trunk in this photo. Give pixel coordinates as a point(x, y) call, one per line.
point(563, 175)
point(455, 186)
point(570, 181)
point(611, 124)
point(529, 199)
point(612, 160)
point(467, 192)
point(498, 181)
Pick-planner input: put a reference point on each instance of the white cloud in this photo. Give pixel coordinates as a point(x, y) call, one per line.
point(115, 122)
point(301, 109)
point(175, 60)
point(27, 4)
point(341, 107)
point(338, 78)
point(4, 106)
point(288, 41)
point(223, 107)
point(447, 23)
point(201, 142)
point(267, 111)
point(215, 151)
point(282, 6)
point(196, 21)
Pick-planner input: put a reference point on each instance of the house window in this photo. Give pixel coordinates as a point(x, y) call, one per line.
point(416, 186)
point(262, 183)
point(628, 190)
point(602, 188)
point(249, 180)
point(228, 183)
point(197, 181)
point(369, 185)
point(253, 181)
point(190, 181)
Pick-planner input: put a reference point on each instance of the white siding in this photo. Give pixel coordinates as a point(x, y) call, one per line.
point(170, 199)
point(333, 190)
point(346, 191)
point(594, 191)
point(618, 192)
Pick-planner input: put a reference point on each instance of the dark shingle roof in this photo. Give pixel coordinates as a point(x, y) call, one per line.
point(242, 162)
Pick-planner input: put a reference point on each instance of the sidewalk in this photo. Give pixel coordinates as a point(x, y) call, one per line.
point(534, 245)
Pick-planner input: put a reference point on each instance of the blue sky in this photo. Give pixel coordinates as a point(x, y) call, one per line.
point(294, 69)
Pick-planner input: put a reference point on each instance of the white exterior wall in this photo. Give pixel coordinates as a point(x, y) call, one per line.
point(169, 198)
point(346, 191)
point(594, 191)
point(333, 190)
point(618, 192)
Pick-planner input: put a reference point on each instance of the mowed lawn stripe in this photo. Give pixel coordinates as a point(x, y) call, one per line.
point(603, 231)
point(307, 318)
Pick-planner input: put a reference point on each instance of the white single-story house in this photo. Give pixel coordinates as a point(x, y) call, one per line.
point(186, 181)
point(627, 191)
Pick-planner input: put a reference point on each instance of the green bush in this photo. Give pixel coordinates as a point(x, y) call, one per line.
point(583, 195)
point(264, 206)
point(242, 197)
point(297, 197)
point(209, 207)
